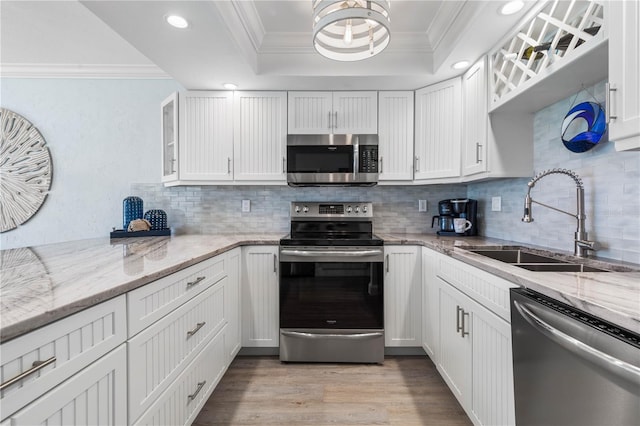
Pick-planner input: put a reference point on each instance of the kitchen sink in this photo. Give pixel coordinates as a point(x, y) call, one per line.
point(516, 256)
point(525, 259)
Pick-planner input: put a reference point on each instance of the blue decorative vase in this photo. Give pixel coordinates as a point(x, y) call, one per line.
point(131, 210)
point(157, 218)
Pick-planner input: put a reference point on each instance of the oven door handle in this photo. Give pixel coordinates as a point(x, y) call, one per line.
point(327, 253)
point(318, 336)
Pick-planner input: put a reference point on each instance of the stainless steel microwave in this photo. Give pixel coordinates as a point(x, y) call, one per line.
point(324, 160)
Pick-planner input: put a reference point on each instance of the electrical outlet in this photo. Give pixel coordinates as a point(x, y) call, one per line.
point(496, 204)
point(422, 205)
point(246, 206)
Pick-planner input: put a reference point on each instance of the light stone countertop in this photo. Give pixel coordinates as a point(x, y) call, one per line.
point(39, 285)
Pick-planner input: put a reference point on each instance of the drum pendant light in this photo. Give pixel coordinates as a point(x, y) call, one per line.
point(350, 30)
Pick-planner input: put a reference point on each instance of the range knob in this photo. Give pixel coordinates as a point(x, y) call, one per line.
point(349, 209)
point(364, 209)
point(357, 209)
point(305, 209)
point(297, 209)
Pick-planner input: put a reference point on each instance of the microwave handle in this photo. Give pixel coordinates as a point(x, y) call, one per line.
point(356, 158)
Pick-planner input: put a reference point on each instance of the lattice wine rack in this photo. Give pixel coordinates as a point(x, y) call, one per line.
point(556, 29)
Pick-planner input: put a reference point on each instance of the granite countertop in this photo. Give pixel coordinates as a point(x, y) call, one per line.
point(42, 284)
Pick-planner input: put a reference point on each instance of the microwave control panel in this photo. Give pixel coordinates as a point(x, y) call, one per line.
point(368, 159)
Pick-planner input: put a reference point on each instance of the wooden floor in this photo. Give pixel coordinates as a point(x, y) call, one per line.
point(404, 391)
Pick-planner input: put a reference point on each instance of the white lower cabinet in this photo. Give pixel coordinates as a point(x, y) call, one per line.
point(475, 357)
point(97, 395)
point(260, 299)
point(402, 299)
point(182, 401)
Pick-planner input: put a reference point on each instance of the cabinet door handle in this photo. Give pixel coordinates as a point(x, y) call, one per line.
point(463, 328)
point(335, 124)
point(607, 102)
point(386, 261)
point(228, 165)
point(195, 282)
point(275, 264)
point(198, 389)
point(35, 366)
point(380, 165)
point(329, 120)
point(417, 166)
point(195, 330)
point(284, 165)
point(478, 147)
point(458, 326)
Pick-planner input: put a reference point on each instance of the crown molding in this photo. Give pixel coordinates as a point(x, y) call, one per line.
point(82, 71)
point(250, 19)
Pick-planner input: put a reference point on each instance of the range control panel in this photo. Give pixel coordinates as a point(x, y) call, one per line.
point(328, 210)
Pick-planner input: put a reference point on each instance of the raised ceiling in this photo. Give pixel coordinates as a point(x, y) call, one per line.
point(258, 45)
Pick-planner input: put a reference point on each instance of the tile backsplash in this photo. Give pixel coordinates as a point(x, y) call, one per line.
point(218, 209)
point(611, 185)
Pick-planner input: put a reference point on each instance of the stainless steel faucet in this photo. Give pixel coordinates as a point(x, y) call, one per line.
point(581, 244)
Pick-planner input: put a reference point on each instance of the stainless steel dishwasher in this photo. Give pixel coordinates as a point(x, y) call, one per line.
point(571, 368)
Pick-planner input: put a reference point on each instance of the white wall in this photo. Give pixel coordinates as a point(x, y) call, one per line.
point(103, 135)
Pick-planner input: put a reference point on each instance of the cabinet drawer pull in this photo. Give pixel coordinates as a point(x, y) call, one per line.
point(193, 395)
point(195, 330)
point(458, 326)
point(463, 332)
point(37, 365)
point(607, 102)
point(195, 282)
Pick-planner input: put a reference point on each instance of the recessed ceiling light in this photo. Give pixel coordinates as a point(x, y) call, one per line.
point(177, 21)
point(511, 7)
point(460, 65)
point(230, 86)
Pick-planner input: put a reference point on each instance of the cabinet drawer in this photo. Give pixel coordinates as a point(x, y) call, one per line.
point(148, 304)
point(71, 344)
point(182, 402)
point(487, 289)
point(95, 396)
point(158, 354)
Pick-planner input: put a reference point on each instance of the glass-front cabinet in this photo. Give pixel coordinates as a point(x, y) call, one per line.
point(169, 134)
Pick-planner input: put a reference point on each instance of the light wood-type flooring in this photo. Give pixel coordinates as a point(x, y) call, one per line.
point(405, 391)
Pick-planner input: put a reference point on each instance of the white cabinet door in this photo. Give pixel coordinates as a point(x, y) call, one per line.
point(96, 395)
point(355, 112)
point(332, 112)
point(232, 303)
point(438, 123)
point(430, 304)
point(402, 296)
point(310, 113)
point(395, 133)
point(260, 299)
point(206, 136)
point(624, 72)
point(474, 119)
point(492, 380)
point(454, 362)
point(169, 136)
point(260, 136)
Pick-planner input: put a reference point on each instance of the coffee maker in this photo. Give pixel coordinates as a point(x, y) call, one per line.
point(448, 210)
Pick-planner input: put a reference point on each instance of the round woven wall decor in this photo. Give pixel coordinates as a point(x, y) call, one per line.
point(25, 170)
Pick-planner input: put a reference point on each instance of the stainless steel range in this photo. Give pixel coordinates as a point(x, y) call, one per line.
point(331, 285)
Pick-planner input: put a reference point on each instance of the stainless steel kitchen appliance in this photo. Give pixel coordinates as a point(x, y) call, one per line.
point(571, 368)
point(448, 210)
point(322, 160)
point(331, 285)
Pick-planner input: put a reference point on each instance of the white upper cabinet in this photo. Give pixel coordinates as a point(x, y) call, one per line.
point(332, 112)
point(475, 117)
point(260, 136)
point(438, 118)
point(395, 133)
point(206, 136)
point(169, 135)
point(624, 74)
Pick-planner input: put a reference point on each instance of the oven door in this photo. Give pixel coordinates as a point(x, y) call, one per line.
point(331, 304)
